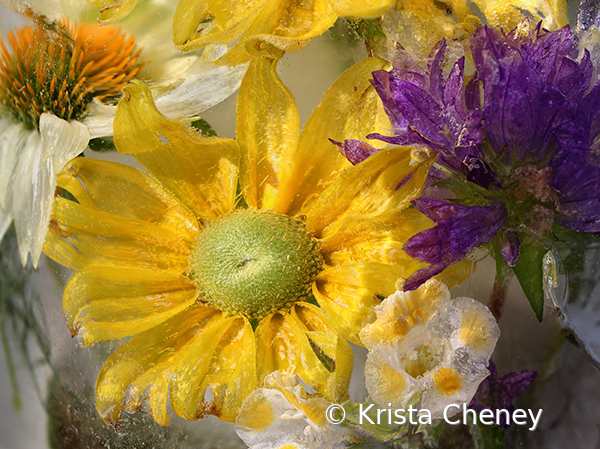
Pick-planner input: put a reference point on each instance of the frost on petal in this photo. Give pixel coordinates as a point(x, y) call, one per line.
point(441, 356)
point(282, 414)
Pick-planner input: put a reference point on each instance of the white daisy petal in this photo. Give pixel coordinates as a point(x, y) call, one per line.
point(194, 85)
point(99, 120)
point(189, 86)
point(13, 139)
point(25, 191)
point(5, 220)
point(62, 140)
point(33, 179)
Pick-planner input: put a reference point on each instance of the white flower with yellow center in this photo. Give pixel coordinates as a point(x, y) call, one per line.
point(59, 82)
point(283, 416)
point(423, 343)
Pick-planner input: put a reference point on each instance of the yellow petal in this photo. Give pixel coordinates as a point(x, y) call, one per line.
point(367, 9)
point(418, 25)
point(223, 359)
point(508, 14)
point(197, 23)
point(348, 293)
point(105, 303)
point(375, 239)
point(80, 236)
point(350, 109)
point(113, 10)
point(283, 346)
point(234, 32)
point(456, 273)
point(142, 368)
point(200, 171)
point(333, 348)
point(267, 127)
point(127, 192)
point(369, 189)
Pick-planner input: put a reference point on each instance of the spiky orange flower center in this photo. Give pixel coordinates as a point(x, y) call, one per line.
point(60, 68)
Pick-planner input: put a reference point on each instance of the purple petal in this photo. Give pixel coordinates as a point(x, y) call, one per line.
point(509, 247)
point(546, 52)
point(514, 384)
point(435, 66)
point(355, 150)
point(459, 230)
point(421, 110)
point(579, 183)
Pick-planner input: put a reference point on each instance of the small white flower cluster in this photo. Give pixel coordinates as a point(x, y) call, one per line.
point(428, 349)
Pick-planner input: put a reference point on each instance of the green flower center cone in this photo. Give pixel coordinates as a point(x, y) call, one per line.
point(252, 263)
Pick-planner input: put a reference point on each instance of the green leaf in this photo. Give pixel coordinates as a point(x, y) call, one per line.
point(204, 127)
point(529, 272)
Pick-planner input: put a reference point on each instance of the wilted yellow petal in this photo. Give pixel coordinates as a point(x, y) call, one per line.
point(369, 189)
point(234, 32)
point(223, 359)
point(105, 303)
point(142, 368)
point(267, 127)
point(80, 236)
point(348, 293)
point(197, 23)
point(351, 109)
point(200, 171)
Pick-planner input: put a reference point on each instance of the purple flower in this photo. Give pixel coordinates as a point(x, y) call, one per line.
point(499, 393)
point(519, 159)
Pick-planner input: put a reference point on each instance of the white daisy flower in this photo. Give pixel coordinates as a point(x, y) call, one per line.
point(60, 79)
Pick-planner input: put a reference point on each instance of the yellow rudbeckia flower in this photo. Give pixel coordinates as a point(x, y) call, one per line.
point(216, 288)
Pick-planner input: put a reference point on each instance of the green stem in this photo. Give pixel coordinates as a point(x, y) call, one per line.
point(498, 296)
